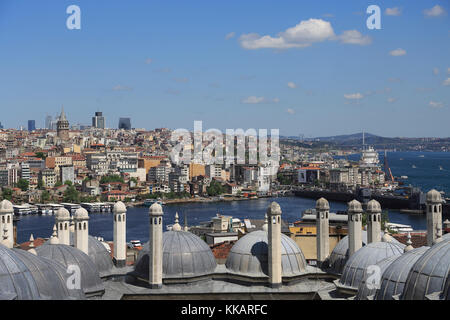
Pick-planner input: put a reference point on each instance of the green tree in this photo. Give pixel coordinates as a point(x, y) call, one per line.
point(45, 196)
point(112, 178)
point(68, 183)
point(215, 188)
point(41, 155)
point(23, 184)
point(58, 184)
point(7, 194)
point(71, 195)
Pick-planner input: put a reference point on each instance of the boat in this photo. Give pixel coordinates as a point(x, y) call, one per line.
point(149, 202)
point(414, 167)
point(440, 168)
point(421, 156)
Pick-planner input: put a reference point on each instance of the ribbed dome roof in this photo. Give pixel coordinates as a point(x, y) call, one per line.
point(16, 280)
point(6, 206)
point(354, 205)
point(367, 288)
point(429, 273)
point(50, 277)
point(62, 213)
point(339, 255)
point(91, 283)
point(185, 255)
point(434, 196)
point(394, 277)
point(355, 268)
point(323, 204)
point(249, 256)
point(373, 206)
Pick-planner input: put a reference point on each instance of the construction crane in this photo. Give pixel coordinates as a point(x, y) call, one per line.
point(387, 170)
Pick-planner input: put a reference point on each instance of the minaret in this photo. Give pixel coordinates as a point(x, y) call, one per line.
point(434, 215)
point(409, 246)
point(155, 246)
point(274, 237)
point(6, 223)
point(120, 234)
point(322, 230)
point(354, 226)
point(81, 221)
point(373, 221)
point(62, 221)
point(176, 226)
point(54, 238)
point(31, 246)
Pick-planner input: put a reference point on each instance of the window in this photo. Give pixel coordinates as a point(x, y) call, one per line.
point(85, 226)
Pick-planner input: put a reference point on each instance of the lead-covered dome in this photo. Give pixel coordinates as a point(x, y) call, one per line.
point(429, 273)
point(394, 277)
point(16, 280)
point(68, 256)
point(356, 266)
point(50, 277)
point(434, 196)
point(249, 256)
point(6, 206)
point(185, 255)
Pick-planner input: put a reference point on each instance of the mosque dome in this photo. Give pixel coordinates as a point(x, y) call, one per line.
point(249, 256)
point(355, 269)
point(339, 255)
point(374, 206)
point(91, 283)
point(322, 204)
point(428, 275)
point(434, 196)
point(394, 277)
point(49, 275)
point(367, 288)
point(185, 255)
point(6, 206)
point(446, 293)
point(62, 213)
point(16, 280)
point(119, 206)
point(81, 213)
point(156, 209)
point(354, 205)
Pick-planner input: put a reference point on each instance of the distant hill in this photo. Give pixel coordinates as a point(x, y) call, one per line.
point(348, 138)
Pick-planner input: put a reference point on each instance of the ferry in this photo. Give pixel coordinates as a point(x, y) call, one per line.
point(149, 202)
point(399, 227)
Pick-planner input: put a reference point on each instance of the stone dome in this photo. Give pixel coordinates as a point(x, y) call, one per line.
point(249, 256)
point(366, 287)
point(62, 213)
point(119, 207)
point(156, 209)
point(434, 196)
point(429, 273)
point(81, 213)
point(355, 269)
point(354, 205)
point(394, 277)
point(6, 206)
point(339, 256)
point(185, 255)
point(322, 204)
point(16, 280)
point(91, 283)
point(50, 277)
point(373, 206)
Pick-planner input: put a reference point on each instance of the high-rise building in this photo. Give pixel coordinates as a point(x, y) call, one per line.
point(125, 123)
point(48, 122)
point(98, 121)
point(31, 125)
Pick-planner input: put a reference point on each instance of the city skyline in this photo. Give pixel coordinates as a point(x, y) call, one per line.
point(252, 69)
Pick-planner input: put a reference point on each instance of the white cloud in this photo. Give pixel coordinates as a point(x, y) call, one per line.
point(302, 35)
point(353, 96)
point(291, 85)
point(257, 100)
point(446, 82)
point(436, 105)
point(148, 61)
point(354, 37)
point(435, 71)
point(397, 52)
point(230, 35)
point(290, 111)
point(436, 11)
point(396, 11)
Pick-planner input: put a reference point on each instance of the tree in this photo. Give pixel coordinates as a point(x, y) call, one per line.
point(58, 184)
point(7, 194)
point(112, 178)
point(71, 195)
point(215, 188)
point(45, 196)
point(41, 155)
point(68, 183)
point(23, 184)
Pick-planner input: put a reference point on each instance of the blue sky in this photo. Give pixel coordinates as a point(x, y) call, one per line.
point(305, 67)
